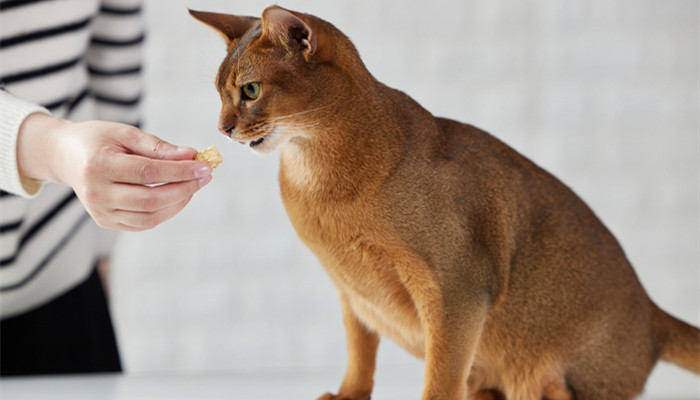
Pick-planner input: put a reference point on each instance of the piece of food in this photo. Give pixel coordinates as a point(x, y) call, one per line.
point(210, 155)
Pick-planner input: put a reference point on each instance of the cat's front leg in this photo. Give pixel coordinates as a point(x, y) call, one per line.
point(362, 356)
point(452, 335)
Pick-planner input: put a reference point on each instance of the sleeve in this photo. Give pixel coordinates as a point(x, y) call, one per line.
point(114, 61)
point(13, 111)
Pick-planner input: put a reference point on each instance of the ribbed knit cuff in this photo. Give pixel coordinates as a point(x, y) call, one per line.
point(13, 112)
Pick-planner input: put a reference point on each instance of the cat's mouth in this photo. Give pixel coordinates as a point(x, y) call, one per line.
point(255, 135)
point(261, 144)
point(254, 143)
point(257, 142)
point(262, 141)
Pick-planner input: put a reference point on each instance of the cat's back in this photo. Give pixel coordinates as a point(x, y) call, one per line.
point(472, 148)
point(456, 173)
point(476, 159)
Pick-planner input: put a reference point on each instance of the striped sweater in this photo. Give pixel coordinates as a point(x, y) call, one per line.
point(78, 60)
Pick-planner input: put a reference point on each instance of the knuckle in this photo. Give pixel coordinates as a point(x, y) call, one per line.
point(149, 203)
point(147, 172)
point(158, 146)
point(91, 195)
point(129, 134)
point(92, 165)
point(150, 220)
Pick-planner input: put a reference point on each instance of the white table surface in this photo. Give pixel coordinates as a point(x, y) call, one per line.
point(242, 386)
point(391, 384)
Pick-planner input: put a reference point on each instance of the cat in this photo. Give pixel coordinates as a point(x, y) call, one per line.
point(436, 234)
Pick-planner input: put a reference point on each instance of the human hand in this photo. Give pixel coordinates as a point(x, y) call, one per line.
point(111, 167)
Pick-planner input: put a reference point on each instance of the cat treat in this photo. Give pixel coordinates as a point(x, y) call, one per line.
point(210, 155)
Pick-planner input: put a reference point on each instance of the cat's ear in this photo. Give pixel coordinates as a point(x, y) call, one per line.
point(231, 27)
point(295, 30)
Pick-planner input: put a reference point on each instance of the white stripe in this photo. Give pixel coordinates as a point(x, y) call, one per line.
point(10, 241)
point(122, 4)
point(49, 88)
point(110, 58)
point(13, 208)
point(120, 87)
point(53, 51)
point(125, 114)
point(118, 27)
point(44, 15)
point(84, 111)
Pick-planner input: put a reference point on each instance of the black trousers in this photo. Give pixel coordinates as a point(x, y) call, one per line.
point(71, 334)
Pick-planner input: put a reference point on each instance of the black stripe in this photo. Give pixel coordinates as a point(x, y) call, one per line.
point(73, 231)
point(51, 69)
point(5, 5)
point(59, 30)
point(120, 11)
point(120, 102)
point(32, 231)
point(54, 105)
point(72, 102)
point(126, 71)
point(12, 226)
point(118, 42)
point(76, 101)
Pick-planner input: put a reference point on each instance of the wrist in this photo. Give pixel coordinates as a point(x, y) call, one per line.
point(37, 148)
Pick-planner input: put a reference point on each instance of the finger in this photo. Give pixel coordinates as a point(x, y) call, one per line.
point(149, 199)
point(134, 220)
point(107, 221)
point(127, 228)
point(147, 145)
point(128, 168)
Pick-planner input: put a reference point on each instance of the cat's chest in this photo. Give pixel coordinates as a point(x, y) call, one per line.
point(364, 271)
point(351, 240)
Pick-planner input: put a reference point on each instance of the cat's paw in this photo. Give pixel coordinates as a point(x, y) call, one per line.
point(330, 396)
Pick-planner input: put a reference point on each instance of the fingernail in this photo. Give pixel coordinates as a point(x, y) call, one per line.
point(202, 171)
point(204, 180)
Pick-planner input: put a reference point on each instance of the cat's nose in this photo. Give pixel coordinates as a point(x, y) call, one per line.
point(226, 129)
point(227, 121)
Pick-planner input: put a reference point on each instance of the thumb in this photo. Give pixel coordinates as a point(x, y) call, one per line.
point(151, 146)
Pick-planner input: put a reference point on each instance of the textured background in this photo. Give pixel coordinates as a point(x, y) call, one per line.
point(604, 94)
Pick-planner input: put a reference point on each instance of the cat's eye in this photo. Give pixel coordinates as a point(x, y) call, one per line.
point(251, 91)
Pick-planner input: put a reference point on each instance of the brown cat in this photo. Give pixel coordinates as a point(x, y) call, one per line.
point(437, 235)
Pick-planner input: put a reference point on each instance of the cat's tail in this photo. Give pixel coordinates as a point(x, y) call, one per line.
point(678, 342)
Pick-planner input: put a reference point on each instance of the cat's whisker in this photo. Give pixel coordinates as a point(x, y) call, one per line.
point(301, 124)
point(269, 125)
point(301, 112)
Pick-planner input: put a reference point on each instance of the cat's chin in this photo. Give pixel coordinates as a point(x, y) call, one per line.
point(255, 143)
point(266, 144)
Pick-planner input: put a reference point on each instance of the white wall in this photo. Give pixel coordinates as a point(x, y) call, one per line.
point(602, 93)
